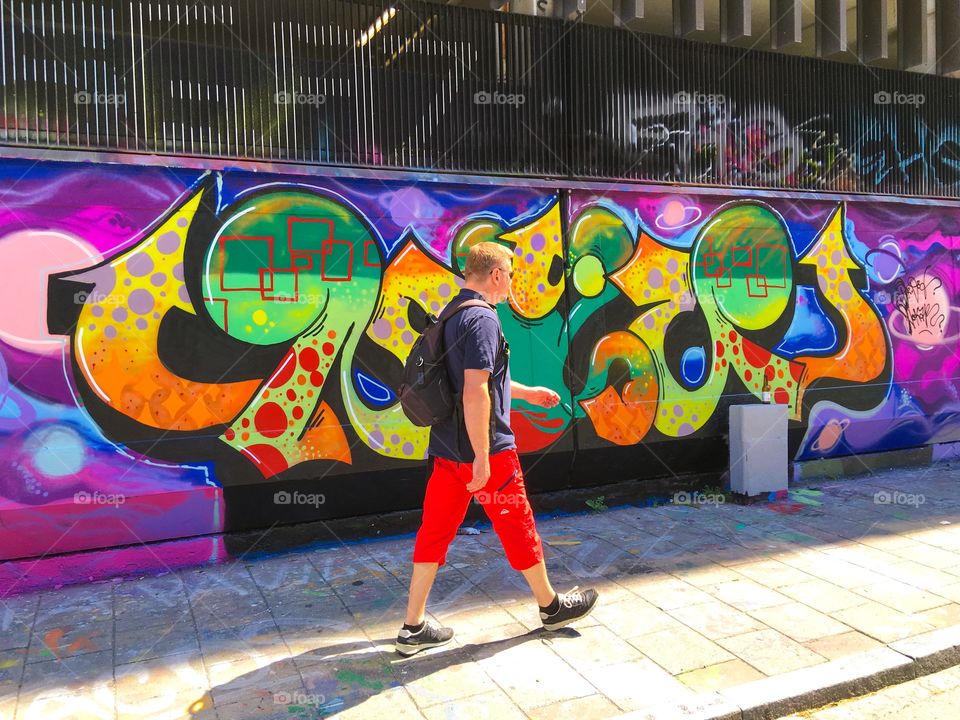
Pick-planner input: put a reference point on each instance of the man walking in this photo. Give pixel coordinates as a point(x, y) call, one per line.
point(474, 453)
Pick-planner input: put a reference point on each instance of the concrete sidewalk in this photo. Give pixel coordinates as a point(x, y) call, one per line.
point(722, 609)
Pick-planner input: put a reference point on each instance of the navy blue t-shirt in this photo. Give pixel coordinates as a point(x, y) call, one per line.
point(474, 341)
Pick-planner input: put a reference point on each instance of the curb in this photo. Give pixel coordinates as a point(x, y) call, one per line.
point(813, 687)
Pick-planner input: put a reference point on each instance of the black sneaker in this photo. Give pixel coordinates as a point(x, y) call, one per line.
point(429, 636)
point(574, 606)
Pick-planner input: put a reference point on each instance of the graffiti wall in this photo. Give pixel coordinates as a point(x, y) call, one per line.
point(184, 352)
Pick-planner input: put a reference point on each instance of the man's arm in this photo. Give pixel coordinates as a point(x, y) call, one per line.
point(476, 415)
point(544, 397)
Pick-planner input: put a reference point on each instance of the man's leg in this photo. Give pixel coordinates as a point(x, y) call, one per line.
point(504, 499)
point(445, 504)
point(539, 583)
point(420, 584)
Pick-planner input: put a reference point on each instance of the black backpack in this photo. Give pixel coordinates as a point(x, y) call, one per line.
point(426, 395)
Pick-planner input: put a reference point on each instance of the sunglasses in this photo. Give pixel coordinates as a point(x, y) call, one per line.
point(509, 272)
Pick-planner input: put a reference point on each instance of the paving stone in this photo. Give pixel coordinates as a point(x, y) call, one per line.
point(534, 676)
point(900, 596)
point(772, 574)
point(929, 555)
point(168, 680)
point(721, 675)
point(99, 705)
point(770, 652)
point(631, 618)
point(799, 622)
point(669, 592)
point(488, 706)
point(584, 647)
point(746, 595)
point(882, 622)
point(715, 619)
point(919, 575)
point(709, 574)
point(155, 642)
point(637, 684)
point(64, 642)
point(14, 632)
point(950, 592)
point(393, 703)
point(834, 647)
point(138, 615)
point(76, 609)
point(254, 680)
point(71, 675)
point(942, 616)
point(592, 707)
point(890, 543)
point(11, 671)
point(680, 650)
point(442, 677)
point(839, 572)
point(822, 595)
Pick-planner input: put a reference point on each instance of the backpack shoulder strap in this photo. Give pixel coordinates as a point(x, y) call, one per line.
point(448, 312)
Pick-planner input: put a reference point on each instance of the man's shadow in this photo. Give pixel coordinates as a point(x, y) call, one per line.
point(343, 675)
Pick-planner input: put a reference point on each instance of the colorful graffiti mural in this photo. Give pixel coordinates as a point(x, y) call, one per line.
point(212, 333)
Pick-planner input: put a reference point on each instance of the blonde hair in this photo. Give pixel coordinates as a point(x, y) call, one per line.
point(484, 257)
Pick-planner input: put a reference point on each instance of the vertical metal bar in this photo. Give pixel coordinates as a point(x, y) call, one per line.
point(687, 17)
point(831, 24)
point(912, 35)
point(735, 20)
point(353, 35)
point(5, 79)
point(282, 85)
point(27, 59)
point(305, 28)
point(872, 42)
point(249, 87)
point(114, 18)
point(363, 89)
point(626, 11)
point(785, 23)
point(948, 37)
point(226, 79)
point(195, 80)
point(134, 71)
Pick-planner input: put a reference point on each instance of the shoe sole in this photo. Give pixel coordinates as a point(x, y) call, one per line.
point(408, 650)
point(556, 626)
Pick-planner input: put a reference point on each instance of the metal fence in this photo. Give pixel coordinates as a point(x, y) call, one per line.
point(428, 86)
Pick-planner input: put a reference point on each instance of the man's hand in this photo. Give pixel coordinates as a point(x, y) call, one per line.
point(481, 473)
point(544, 397)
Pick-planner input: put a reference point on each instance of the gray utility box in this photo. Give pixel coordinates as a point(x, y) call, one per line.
point(758, 449)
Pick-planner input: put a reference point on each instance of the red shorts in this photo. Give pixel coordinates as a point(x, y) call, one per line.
point(504, 498)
